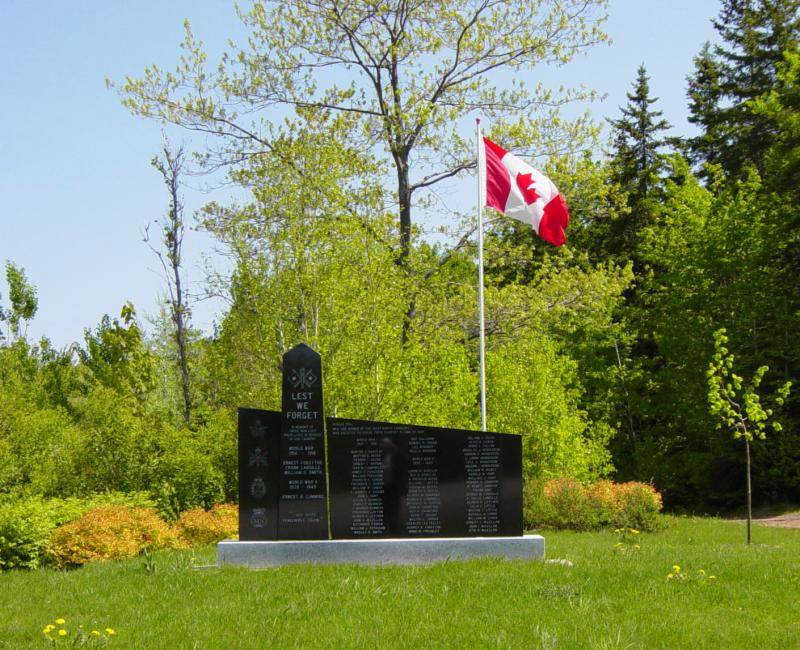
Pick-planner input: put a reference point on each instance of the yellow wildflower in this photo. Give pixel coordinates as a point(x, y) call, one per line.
point(701, 573)
point(618, 544)
point(670, 576)
point(633, 531)
point(676, 568)
point(712, 577)
point(95, 633)
point(60, 621)
point(62, 633)
point(109, 631)
point(47, 630)
point(636, 546)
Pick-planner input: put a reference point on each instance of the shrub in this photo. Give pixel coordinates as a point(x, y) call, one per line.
point(26, 522)
point(564, 503)
point(25, 527)
point(200, 527)
point(109, 532)
point(185, 476)
point(639, 506)
point(572, 506)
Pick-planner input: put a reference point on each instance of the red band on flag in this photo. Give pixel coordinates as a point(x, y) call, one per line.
point(554, 221)
point(498, 181)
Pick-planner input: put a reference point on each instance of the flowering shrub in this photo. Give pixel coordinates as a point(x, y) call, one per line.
point(109, 532)
point(565, 503)
point(200, 527)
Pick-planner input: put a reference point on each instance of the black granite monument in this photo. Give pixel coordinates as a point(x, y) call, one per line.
point(302, 504)
point(397, 480)
point(386, 480)
point(259, 434)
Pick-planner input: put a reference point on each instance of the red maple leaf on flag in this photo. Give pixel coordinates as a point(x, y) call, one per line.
point(525, 184)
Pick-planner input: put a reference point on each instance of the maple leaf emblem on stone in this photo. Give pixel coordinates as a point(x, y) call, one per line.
point(525, 184)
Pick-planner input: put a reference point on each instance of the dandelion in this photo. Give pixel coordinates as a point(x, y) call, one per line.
point(60, 621)
point(670, 576)
point(701, 573)
point(633, 531)
point(636, 546)
point(676, 568)
point(109, 631)
point(47, 629)
point(62, 633)
point(95, 633)
point(712, 577)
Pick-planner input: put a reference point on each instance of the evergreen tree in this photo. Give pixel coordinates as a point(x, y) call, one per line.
point(636, 165)
point(704, 97)
point(754, 34)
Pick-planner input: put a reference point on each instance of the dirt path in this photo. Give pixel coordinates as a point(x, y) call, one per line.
point(789, 520)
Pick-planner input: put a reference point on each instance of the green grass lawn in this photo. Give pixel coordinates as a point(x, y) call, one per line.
point(605, 600)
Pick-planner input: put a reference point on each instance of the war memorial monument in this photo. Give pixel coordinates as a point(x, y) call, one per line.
point(388, 493)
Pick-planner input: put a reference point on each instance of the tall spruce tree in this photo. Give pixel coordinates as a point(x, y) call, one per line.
point(729, 76)
point(704, 93)
point(638, 137)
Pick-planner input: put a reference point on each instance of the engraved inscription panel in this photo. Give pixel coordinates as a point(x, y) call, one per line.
point(394, 480)
point(302, 509)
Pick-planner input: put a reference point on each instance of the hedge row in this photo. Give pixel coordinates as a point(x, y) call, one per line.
point(71, 532)
point(65, 533)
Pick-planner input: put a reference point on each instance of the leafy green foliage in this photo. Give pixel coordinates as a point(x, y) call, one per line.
point(738, 405)
point(22, 299)
point(25, 528)
point(727, 78)
point(596, 352)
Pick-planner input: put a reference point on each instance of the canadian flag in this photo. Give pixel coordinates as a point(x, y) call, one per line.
point(523, 193)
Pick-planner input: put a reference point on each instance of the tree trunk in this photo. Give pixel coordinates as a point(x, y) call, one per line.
point(180, 340)
point(178, 308)
point(404, 199)
point(170, 166)
point(749, 490)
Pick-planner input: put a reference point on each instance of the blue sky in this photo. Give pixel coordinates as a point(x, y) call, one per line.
point(76, 184)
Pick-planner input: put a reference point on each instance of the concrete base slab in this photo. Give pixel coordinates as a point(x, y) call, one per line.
point(377, 551)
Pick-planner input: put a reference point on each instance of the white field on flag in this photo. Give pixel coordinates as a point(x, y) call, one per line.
point(522, 192)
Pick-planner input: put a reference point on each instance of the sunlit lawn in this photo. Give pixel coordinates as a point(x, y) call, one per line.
point(605, 599)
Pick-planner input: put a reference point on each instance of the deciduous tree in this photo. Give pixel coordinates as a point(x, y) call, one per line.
point(404, 74)
point(738, 405)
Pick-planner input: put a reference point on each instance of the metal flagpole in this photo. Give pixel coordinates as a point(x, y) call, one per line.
point(481, 166)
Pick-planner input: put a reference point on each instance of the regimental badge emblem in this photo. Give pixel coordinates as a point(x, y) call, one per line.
point(303, 378)
point(257, 429)
point(258, 519)
point(258, 489)
point(257, 458)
